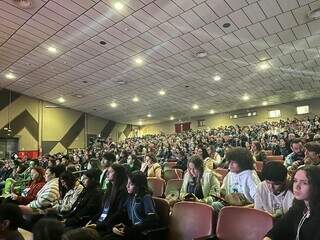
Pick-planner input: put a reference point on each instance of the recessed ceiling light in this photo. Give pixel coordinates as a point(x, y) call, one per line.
point(118, 5)
point(226, 25)
point(78, 95)
point(138, 61)
point(235, 116)
point(140, 123)
point(10, 76)
point(264, 66)
point(201, 54)
point(264, 103)
point(113, 104)
point(149, 115)
point(52, 49)
point(249, 114)
point(211, 111)
point(195, 107)
point(171, 118)
point(245, 97)
point(217, 78)
point(61, 100)
point(121, 82)
point(162, 92)
point(135, 99)
point(254, 113)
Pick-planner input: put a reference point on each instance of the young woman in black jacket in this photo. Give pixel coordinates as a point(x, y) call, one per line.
point(88, 203)
point(114, 199)
point(302, 220)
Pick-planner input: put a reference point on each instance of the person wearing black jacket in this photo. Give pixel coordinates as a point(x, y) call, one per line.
point(302, 220)
point(114, 199)
point(88, 203)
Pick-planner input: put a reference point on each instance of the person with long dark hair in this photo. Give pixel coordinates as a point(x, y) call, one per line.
point(113, 202)
point(89, 201)
point(199, 181)
point(302, 220)
point(139, 211)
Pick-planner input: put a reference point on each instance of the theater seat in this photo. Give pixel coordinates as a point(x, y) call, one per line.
point(222, 173)
point(268, 152)
point(172, 174)
point(173, 187)
point(162, 208)
point(169, 165)
point(157, 186)
point(275, 158)
point(190, 220)
point(238, 223)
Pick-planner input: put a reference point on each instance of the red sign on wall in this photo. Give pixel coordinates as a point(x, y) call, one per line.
point(28, 154)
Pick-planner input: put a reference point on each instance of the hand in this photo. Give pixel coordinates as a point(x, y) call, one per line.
point(93, 226)
point(14, 196)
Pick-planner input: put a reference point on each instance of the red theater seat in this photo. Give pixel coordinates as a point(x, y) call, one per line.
point(238, 223)
point(157, 185)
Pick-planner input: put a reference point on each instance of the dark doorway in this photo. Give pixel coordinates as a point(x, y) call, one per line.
point(8, 146)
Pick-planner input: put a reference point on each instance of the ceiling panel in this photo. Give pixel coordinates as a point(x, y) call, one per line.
point(182, 44)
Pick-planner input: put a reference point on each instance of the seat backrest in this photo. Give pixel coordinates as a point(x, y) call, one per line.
point(173, 186)
point(222, 172)
point(162, 208)
point(275, 158)
point(157, 186)
point(268, 152)
point(190, 220)
point(243, 223)
point(169, 165)
point(172, 174)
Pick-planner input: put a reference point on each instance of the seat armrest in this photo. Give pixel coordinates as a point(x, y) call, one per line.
point(212, 237)
point(156, 233)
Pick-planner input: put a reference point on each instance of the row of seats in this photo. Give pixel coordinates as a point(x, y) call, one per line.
point(195, 220)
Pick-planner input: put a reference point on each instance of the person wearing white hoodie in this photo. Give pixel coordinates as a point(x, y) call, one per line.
point(242, 180)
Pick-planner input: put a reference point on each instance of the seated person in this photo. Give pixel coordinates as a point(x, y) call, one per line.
point(199, 181)
point(214, 159)
point(297, 154)
point(30, 193)
point(151, 167)
point(113, 201)
point(48, 229)
point(10, 220)
point(301, 222)
point(273, 195)
point(242, 180)
point(107, 160)
point(133, 164)
point(140, 210)
point(312, 154)
point(89, 201)
point(48, 195)
point(72, 188)
point(257, 152)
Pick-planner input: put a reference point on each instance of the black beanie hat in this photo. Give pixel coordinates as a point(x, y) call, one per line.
point(274, 171)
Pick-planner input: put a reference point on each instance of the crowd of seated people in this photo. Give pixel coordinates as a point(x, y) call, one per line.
point(102, 192)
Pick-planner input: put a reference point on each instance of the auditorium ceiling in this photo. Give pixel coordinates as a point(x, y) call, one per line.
point(111, 58)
